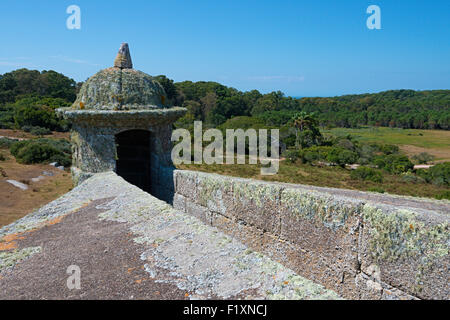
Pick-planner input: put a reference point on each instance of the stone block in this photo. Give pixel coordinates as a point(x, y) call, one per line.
point(215, 192)
point(198, 211)
point(325, 231)
point(408, 249)
point(179, 202)
point(186, 184)
point(258, 204)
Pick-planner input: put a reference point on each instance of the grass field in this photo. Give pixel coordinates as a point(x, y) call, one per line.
point(410, 141)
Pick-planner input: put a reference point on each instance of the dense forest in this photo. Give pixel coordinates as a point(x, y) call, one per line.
point(28, 98)
point(409, 109)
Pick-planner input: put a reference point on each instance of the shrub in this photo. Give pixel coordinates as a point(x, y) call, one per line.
point(2, 157)
point(388, 149)
point(291, 155)
point(379, 162)
point(7, 142)
point(376, 189)
point(423, 157)
point(440, 174)
point(342, 156)
point(367, 174)
point(444, 195)
point(36, 130)
point(39, 112)
point(412, 178)
point(396, 164)
point(41, 150)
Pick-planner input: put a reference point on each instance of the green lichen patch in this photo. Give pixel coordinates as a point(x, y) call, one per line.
point(256, 192)
point(332, 212)
point(9, 259)
point(401, 235)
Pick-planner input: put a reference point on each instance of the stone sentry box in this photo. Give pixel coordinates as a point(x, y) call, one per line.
point(117, 101)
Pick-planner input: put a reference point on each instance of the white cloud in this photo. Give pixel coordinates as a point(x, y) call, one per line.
point(73, 60)
point(278, 78)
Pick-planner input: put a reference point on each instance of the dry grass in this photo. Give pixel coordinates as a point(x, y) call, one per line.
point(15, 203)
point(25, 135)
point(411, 141)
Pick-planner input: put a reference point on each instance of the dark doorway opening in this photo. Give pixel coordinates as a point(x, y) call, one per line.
point(134, 158)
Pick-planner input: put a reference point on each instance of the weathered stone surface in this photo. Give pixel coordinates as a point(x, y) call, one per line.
point(257, 203)
point(123, 58)
point(198, 211)
point(179, 202)
point(174, 248)
point(120, 89)
point(327, 229)
point(355, 245)
point(186, 184)
point(215, 193)
point(410, 250)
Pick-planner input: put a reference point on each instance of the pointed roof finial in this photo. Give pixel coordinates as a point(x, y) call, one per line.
point(123, 59)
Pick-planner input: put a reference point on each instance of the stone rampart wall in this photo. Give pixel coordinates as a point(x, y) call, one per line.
point(361, 245)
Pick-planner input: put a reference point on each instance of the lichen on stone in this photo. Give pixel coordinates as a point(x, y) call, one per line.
point(8, 259)
point(332, 212)
point(401, 234)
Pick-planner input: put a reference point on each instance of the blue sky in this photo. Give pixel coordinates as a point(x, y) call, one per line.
point(303, 48)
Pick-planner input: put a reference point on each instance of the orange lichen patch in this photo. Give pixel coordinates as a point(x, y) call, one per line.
point(140, 280)
point(9, 241)
point(55, 221)
point(8, 246)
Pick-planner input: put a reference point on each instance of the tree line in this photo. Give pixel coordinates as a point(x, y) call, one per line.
point(215, 103)
point(28, 98)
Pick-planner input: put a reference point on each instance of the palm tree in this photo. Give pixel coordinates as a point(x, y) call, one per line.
point(301, 121)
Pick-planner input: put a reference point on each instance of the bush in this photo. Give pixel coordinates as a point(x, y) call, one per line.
point(444, 195)
point(341, 156)
point(376, 189)
point(36, 130)
point(2, 157)
point(388, 149)
point(291, 155)
point(32, 112)
point(412, 178)
point(439, 174)
point(423, 158)
point(40, 151)
point(367, 174)
point(396, 164)
point(7, 142)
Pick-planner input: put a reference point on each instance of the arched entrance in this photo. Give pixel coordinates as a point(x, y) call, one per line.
point(134, 158)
